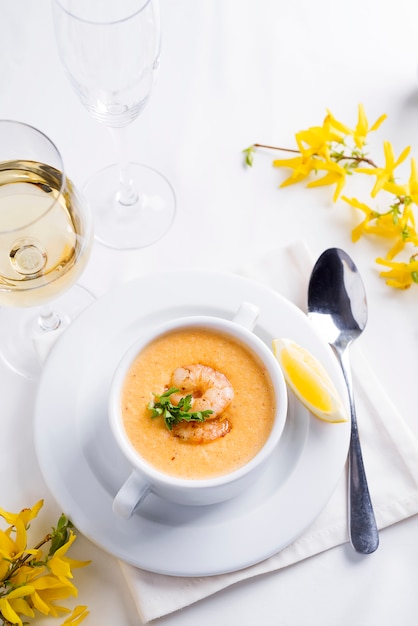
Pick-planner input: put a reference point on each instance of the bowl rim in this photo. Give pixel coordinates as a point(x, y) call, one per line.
point(240, 333)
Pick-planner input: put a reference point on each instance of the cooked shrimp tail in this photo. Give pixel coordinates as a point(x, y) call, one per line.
point(201, 432)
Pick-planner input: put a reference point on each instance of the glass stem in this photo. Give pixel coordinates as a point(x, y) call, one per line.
point(126, 195)
point(48, 319)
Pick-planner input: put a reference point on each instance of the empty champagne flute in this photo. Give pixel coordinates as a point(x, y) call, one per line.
point(110, 51)
point(45, 241)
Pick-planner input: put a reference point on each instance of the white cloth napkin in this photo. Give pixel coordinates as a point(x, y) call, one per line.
point(390, 452)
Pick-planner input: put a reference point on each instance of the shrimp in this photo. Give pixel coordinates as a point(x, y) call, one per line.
point(210, 389)
point(201, 432)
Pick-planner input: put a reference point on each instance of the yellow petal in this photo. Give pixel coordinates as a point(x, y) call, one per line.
point(59, 567)
point(342, 128)
point(8, 613)
point(389, 155)
point(329, 179)
point(21, 606)
point(357, 232)
point(403, 155)
point(51, 582)
point(395, 189)
point(378, 122)
point(362, 122)
point(41, 605)
point(357, 204)
point(77, 616)
point(292, 162)
point(27, 515)
point(20, 592)
point(337, 176)
point(292, 180)
point(413, 178)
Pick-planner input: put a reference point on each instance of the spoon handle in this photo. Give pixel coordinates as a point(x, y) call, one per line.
point(364, 536)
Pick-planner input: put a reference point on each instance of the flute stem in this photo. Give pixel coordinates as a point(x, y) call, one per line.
point(126, 195)
point(48, 319)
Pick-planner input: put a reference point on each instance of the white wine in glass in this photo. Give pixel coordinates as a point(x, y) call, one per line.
point(110, 51)
point(45, 242)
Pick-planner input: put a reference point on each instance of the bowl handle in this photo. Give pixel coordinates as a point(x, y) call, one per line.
point(130, 495)
point(246, 315)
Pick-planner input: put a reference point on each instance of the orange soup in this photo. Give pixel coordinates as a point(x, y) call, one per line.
point(250, 414)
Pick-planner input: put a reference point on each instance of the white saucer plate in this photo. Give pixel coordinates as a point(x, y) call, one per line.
point(84, 468)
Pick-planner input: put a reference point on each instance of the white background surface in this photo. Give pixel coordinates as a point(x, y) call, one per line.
point(234, 73)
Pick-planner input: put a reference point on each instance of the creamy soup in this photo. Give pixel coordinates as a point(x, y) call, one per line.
point(250, 414)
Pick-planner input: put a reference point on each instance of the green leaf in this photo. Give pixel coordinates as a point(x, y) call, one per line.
point(249, 155)
point(174, 414)
point(60, 534)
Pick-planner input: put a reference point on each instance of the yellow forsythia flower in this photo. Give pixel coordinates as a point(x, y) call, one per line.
point(385, 174)
point(302, 166)
point(362, 129)
point(14, 601)
point(32, 582)
point(389, 225)
point(400, 275)
point(328, 154)
point(315, 141)
point(410, 189)
point(335, 174)
point(13, 541)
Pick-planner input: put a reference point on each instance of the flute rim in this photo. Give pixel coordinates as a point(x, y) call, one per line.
point(73, 15)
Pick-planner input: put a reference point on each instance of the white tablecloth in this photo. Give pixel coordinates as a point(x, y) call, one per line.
point(234, 73)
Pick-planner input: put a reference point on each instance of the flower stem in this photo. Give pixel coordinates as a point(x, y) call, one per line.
point(25, 558)
point(260, 145)
point(355, 159)
point(340, 157)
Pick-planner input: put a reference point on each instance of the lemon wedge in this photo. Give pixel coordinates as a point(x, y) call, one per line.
point(309, 380)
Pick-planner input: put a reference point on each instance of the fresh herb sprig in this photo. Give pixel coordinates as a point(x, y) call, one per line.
point(174, 414)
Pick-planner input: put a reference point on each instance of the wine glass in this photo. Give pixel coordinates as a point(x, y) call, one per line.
point(45, 240)
point(110, 51)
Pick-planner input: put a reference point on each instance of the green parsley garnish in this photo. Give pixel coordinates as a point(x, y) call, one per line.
point(173, 414)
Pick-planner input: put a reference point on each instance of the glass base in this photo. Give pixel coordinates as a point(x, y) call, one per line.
point(133, 226)
point(24, 343)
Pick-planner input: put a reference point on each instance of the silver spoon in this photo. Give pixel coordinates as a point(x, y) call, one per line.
point(338, 308)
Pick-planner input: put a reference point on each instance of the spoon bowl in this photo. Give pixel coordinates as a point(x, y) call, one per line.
point(337, 306)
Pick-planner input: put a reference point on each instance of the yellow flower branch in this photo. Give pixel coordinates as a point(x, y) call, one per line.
point(31, 581)
point(334, 151)
point(338, 157)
